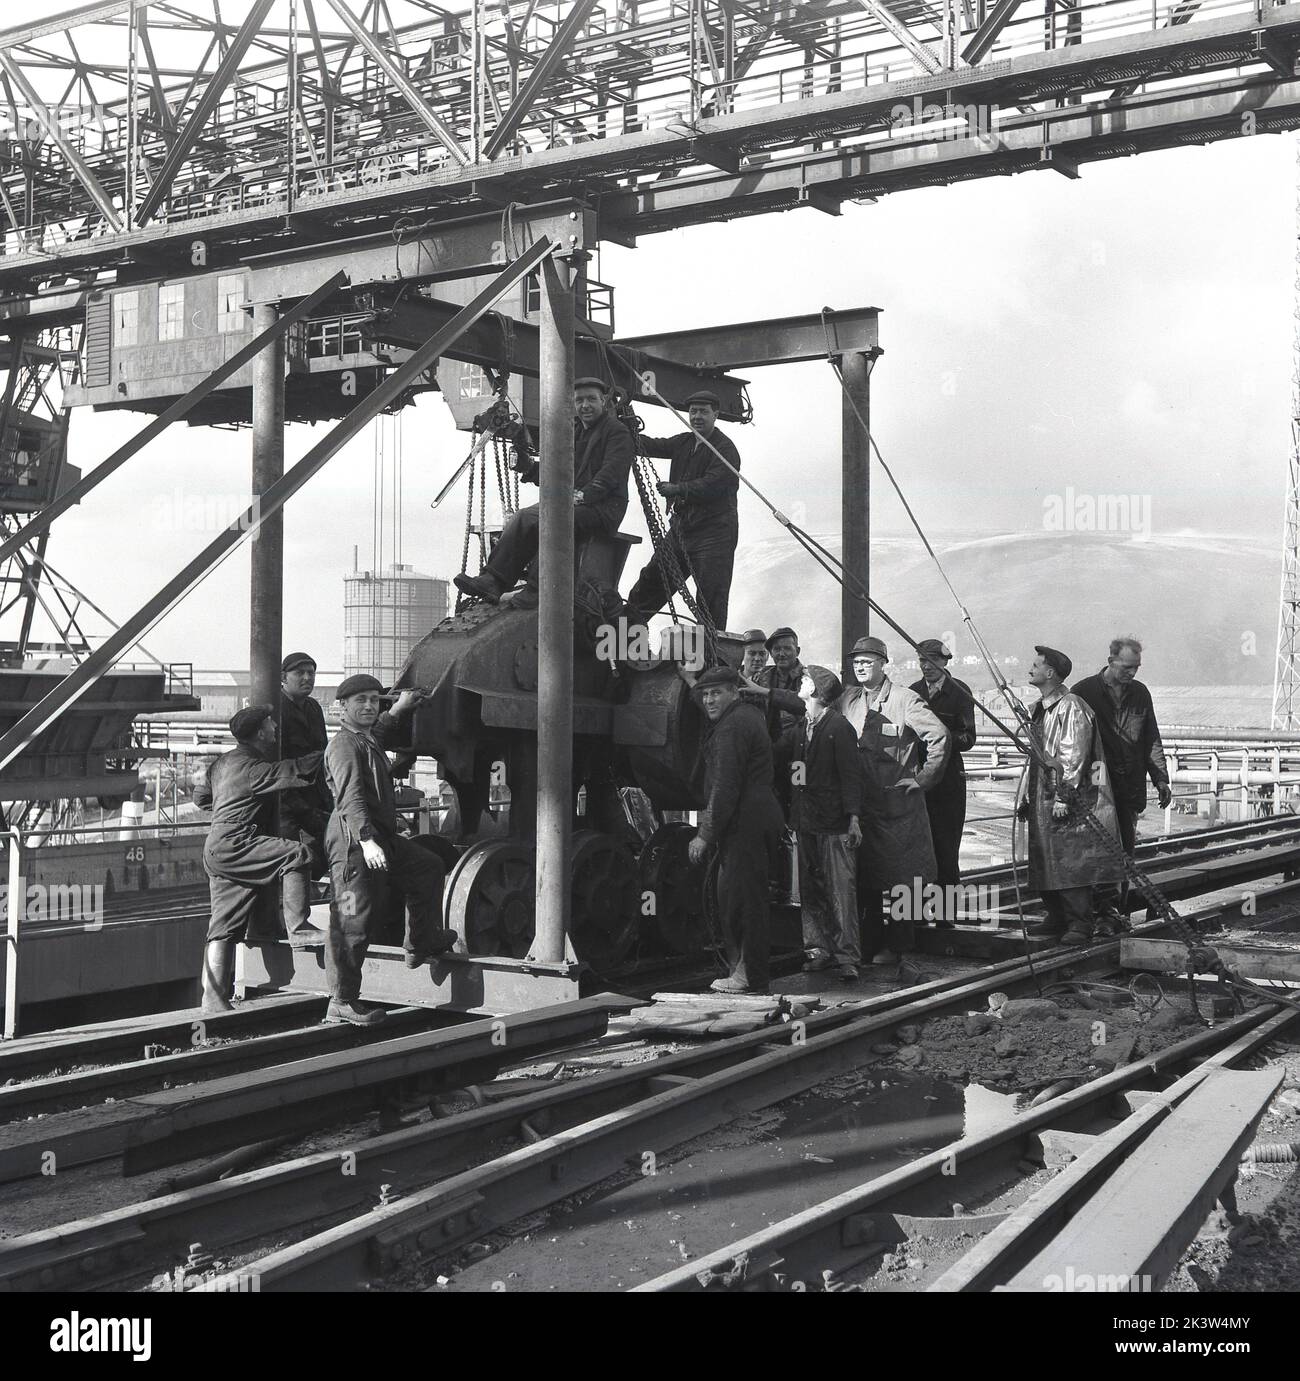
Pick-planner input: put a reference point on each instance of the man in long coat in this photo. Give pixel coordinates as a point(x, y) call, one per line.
point(240, 860)
point(602, 459)
point(742, 819)
point(1066, 859)
point(952, 704)
point(703, 526)
point(892, 724)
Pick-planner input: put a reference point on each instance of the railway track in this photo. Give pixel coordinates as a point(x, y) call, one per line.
point(428, 1187)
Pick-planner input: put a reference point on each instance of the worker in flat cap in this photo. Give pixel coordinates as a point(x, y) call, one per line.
point(244, 860)
point(703, 524)
point(754, 654)
point(602, 459)
point(365, 849)
point(1066, 861)
point(953, 704)
point(303, 810)
point(741, 819)
point(820, 757)
point(903, 749)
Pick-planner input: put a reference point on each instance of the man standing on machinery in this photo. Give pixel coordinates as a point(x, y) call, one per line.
point(703, 526)
point(303, 810)
point(602, 459)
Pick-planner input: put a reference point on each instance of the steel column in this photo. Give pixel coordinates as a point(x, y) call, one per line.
point(855, 518)
point(555, 616)
point(266, 589)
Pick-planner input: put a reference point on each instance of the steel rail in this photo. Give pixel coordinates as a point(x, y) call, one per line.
point(810, 1250)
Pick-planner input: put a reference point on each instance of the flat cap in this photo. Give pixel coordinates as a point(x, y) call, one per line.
point(870, 647)
point(245, 723)
point(354, 685)
point(1058, 661)
point(826, 683)
point(719, 676)
point(590, 381)
point(704, 395)
point(754, 635)
point(933, 650)
point(296, 659)
point(781, 633)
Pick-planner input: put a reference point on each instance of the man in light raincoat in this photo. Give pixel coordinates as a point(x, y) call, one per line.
point(1066, 859)
point(896, 858)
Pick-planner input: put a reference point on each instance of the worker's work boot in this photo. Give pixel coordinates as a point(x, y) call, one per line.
point(218, 976)
point(1053, 930)
point(734, 985)
point(817, 960)
point(306, 938)
point(481, 586)
point(1110, 922)
point(354, 1013)
point(1075, 939)
point(438, 942)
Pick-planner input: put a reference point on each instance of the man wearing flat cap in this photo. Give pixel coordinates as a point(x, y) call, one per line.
point(364, 848)
point(303, 810)
point(602, 458)
point(1066, 861)
point(754, 654)
point(242, 862)
point(703, 525)
point(742, 820)
point(952, 703)
point(819, 755)
point(903, 749)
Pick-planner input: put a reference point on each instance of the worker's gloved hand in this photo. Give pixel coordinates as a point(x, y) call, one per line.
point(373, 853)
point(1164, 793)
point(669, 491)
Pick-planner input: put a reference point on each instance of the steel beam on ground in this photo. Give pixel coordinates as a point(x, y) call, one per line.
point(17, 739)
point(182, 145)
point(855, 503)
point(266, 584)
point(42, 520)
point(1245, 961)
point(546, 67)
point(752, 344)
point(405, 319)
point(555, 617)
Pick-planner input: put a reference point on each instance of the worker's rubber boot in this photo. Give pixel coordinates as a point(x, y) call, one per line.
point(218, 976)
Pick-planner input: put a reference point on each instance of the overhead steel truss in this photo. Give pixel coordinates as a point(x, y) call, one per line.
point(261, 123)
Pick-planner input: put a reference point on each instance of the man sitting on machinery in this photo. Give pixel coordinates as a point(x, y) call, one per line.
point(602, 460)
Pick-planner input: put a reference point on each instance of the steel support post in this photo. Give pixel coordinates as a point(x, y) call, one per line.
point(555, 616)
point(855, 519)
point(266, 589)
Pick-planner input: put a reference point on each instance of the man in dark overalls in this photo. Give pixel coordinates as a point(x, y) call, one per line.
point(240, 860)
point(304, 810)
point(703, 526)
point(742, 819)
point(362, 843)
point(602, 459)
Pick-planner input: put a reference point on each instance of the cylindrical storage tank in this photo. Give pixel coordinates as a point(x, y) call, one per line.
point(385, 614)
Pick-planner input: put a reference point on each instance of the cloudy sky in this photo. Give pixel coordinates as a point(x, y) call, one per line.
point(1128, 333)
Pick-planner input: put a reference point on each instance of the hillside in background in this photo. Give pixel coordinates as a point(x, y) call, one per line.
point(1205, 607)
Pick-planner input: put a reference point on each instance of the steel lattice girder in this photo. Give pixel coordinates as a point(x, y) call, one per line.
point(784, 340)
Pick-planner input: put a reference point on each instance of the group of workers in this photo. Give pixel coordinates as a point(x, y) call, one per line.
point(870, 784)
point(864, 787)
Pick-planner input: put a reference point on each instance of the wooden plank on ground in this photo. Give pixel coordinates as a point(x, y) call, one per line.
point(1134, 1228)
point(1170, 956)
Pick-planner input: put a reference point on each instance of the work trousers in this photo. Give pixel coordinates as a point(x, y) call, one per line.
point(945, 804)
point(361, 898)
point(295, 887)
point(883, 930)
point(709, 555)
point(243, 894)
point(1116, 893)
point(828, 890)
point(743, 863)
point(515, 554)
point(1068, 908)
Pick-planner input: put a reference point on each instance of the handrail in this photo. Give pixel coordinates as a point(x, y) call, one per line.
point(13, 912)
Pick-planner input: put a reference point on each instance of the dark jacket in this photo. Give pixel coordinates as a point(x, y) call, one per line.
point(1130, 738)
point(302, 731)
point(785, 708)
point(709, 488)
point(831, 786)
point(954, 707)
point(237, 787)
point(738, 776)
point(602, 460)
point(361, 778)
